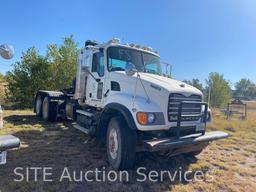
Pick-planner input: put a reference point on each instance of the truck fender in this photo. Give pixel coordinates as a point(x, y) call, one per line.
point(107, 113)
point(116, 107)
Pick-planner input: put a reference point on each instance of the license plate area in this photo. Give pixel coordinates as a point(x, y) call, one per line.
point(3, 157)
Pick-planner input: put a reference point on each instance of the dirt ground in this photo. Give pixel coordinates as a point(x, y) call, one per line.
point(229, 165)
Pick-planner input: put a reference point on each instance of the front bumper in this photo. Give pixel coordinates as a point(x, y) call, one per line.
point(189, 141)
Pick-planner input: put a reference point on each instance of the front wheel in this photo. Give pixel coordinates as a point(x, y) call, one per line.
point(121, 144)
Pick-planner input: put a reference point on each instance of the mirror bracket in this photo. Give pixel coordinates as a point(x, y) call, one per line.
point(130, 69)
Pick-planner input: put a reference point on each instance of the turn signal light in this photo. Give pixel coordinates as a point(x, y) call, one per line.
point(142, 118)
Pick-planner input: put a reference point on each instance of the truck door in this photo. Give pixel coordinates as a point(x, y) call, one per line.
point(95, 82)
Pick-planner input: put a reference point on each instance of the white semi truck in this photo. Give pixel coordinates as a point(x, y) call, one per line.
point(121, 97)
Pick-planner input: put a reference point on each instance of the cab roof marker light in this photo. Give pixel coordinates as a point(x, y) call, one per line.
point(114, 40)
point(138, 46)
point(145, 48)
point(132, 45)
point(150, 49)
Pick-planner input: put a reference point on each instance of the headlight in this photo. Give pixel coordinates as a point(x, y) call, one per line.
point(150, 118)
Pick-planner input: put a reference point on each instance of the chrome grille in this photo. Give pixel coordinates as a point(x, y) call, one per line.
point(190, 110)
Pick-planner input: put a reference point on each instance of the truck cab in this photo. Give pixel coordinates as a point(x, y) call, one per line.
point(102, 80)
point(121, 97)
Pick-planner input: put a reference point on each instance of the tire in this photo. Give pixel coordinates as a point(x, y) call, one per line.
point(49, 110)
point(38, 106)
point(122, 155)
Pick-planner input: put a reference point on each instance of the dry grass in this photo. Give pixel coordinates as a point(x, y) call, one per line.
point(251, 105)
point(231, 162)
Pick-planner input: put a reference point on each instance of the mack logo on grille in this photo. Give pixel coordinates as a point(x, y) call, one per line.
point(188, 118)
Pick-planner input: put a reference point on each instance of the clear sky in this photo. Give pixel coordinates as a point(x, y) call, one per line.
point(196, 36)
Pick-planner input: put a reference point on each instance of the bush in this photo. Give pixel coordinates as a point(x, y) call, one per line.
point(2, 88)
point(220, 90)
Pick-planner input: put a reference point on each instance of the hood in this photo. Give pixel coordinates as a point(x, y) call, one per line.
point(169, 84)
point(152, 81)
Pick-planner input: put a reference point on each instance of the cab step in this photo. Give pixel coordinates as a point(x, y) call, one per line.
point(83, 129)
point(85, 113)
point(85, 121)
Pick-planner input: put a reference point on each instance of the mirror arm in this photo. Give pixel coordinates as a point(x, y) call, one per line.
point(97, 80)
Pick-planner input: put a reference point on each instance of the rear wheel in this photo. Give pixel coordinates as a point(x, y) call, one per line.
point(49, 110)
point(38, 106)
point(121, 144)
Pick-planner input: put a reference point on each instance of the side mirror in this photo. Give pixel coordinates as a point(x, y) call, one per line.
point(6, 51)
point(168, 69)
point(130, 69)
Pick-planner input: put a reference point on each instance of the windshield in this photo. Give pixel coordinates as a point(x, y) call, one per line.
point(119, 57)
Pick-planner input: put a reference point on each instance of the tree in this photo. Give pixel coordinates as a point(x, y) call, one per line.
point(245, 88)
point(220, 90)
point(29, 75)
point(252, 91)
point(2, 88)
point(195, 83)
point(1, 77)
point(63, 61)
point(33, 72)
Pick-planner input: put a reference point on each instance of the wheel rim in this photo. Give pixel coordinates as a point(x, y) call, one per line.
point(113, 143)
point(45, 109)
point(38, 105)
